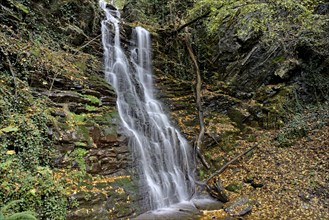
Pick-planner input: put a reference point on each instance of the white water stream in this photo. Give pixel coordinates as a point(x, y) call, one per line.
point(163, 156)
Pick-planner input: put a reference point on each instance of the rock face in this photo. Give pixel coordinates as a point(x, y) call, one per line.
point(55, 51)
point(89, 122)
point(246, 83)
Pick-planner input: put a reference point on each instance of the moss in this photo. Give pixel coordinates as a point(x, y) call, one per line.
point(91, 108)
point(78, 155)
point(92, 99)
point(279, 59)
point(38, 38)
point(107, 116)
point(100, 82)
point(83, 132)
point(20, 6)
point(78, 118)
point(233, 187)
point(80, 144)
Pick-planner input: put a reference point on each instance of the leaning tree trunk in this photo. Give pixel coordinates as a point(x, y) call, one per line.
point(198, 102)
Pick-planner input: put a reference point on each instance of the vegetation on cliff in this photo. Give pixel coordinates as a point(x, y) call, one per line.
point(57, 111)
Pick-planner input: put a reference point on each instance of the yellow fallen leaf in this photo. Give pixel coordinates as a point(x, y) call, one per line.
point(10, 152)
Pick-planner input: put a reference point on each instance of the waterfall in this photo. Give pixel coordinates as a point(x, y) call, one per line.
point(164, 158)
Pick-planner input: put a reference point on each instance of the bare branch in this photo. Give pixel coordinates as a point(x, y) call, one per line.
point(229, 163)
point(191, 22)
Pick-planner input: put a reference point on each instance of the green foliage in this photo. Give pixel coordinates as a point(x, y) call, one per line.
point(22, 216)
point(37, 38)
point(25, 152)
point(78, 155)
point(119, 3)
point(90, 108)
point(278, 20)
point(78, 118)
point(155, 12)
point(19, 6)
point(316, 80)
point(92, 99)
point(8, 129)
point(37, 191)
point(233, 187)
point(314, 117)
point(27, 215)
point(201, 174)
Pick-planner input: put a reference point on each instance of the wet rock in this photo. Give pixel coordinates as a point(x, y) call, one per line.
point(87, 91)
point(106, 199)
point(107, 161)
point(111, 7)
point(60, 113)
point(64, 96)
point(257, 185)
point(207, 204)
point(239, 207)
point(177, 212)
point(108, 101)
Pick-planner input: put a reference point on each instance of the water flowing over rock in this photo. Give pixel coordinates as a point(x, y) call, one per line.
point(164, 158)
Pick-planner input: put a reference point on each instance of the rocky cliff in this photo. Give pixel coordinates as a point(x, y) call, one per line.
point(51, 65)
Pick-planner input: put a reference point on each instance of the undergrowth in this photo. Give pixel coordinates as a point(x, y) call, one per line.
point(313, 117)
point(25, 155)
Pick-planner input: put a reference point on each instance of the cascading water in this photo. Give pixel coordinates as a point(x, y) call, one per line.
point(164, 157)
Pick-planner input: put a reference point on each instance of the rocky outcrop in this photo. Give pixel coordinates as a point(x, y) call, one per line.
point(54, 50)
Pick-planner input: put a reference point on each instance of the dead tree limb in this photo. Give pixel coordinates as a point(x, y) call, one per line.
point(198, 102)
point(229, 163)
point(216, 190)
point(90, 41)
point(191, 22)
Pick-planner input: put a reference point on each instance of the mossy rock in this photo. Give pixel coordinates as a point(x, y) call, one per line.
point(233, 187)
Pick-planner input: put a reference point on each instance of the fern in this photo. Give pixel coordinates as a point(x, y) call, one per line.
point(27, 215)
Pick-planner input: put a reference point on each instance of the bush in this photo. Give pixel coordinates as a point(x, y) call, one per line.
point(25, 153)
point(314, 117)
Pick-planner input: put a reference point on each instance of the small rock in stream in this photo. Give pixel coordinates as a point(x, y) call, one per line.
point(185, 210)
point(207, 204)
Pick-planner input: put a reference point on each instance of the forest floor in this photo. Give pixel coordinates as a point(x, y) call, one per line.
point(290, 182)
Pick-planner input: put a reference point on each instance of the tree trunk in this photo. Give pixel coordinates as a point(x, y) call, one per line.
point(198, 102)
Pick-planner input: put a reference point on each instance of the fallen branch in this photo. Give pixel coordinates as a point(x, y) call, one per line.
point(229, 163)
point(86, 44)
point(216, 190)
